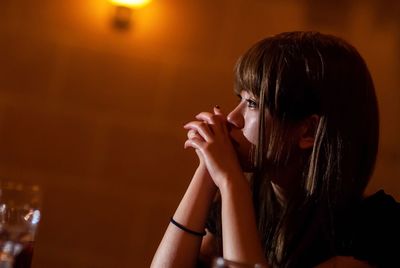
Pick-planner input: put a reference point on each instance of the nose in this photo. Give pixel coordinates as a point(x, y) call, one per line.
point(235, 117)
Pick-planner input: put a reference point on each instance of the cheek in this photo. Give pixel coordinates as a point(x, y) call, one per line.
point(250, 130)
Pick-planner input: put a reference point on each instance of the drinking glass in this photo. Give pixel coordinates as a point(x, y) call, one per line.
point(19, 218)
point(220, 262)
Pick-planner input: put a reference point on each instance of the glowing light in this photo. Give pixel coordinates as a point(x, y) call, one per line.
point(130, 3)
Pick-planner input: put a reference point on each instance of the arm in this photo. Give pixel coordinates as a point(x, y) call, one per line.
point(344, 262)
point(239, 231)
point(178, 248)
point(208, 248)
point(240, 235)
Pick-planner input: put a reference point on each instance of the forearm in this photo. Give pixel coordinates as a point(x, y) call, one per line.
point(241, 241)
point(178, 248)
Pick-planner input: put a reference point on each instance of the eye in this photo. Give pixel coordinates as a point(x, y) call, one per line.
point(252, 104)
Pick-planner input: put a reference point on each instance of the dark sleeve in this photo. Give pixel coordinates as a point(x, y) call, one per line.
point(213, 226)
point(376, 232)
point(213, 220)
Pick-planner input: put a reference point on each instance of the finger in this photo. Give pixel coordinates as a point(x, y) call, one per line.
point(202, 128)
point(218, 111)
point(193, 134)
point(215, 120)
point(194, 143)
point(206, 116)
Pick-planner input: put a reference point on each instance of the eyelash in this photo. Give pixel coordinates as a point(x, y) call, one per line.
point(252, 104)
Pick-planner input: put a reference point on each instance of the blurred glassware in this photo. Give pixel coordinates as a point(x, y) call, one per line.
point(220, 262)
point(19, 218)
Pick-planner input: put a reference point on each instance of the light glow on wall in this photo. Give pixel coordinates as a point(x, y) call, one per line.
point(130, 3)
point(123, 11)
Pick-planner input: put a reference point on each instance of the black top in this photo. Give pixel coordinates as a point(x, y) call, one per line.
point(372, 234)
point(375, 233)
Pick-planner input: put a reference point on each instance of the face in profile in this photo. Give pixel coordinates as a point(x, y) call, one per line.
point(244, 126)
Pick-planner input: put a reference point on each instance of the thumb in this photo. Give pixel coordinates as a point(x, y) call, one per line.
point(217, 110)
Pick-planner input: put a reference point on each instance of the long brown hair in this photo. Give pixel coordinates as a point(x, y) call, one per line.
point(295, 75)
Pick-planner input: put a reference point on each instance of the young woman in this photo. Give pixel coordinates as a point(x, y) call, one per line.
point(281, 178)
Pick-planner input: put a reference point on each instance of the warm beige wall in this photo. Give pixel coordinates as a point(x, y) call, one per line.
point(95, 115)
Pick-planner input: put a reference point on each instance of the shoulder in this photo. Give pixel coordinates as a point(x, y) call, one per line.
point(344, 262)
point(379, 213)
point(379, 210)
point(381, 200)
point(376, 230)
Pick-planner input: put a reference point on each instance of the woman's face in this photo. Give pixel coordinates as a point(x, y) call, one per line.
point(244, 126)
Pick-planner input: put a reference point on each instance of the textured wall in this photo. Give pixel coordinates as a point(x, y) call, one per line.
point(95, 115)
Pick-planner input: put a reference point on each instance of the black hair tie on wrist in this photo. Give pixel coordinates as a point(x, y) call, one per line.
point(183, 228)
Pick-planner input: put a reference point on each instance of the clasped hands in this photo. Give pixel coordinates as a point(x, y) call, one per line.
point(209, 136)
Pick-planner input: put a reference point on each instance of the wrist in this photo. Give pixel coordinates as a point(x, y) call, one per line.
point(203, 179)
point(237, 183)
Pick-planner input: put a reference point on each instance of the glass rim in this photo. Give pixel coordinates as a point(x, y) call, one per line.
point(222, 261)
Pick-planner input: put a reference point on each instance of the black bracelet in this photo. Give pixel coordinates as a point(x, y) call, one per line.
point(183, 228)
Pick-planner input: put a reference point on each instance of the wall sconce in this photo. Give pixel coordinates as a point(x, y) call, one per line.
point(124, 9)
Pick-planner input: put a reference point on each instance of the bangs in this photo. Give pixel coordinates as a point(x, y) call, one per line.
point(259, 72)
point(247, 75)
point(282, 77)
point(253, 68)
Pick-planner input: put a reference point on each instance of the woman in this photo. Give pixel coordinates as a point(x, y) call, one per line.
point(289, 165)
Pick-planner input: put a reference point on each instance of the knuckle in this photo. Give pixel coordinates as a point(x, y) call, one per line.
point(202, 124)
point(190, 134)
point(216, 118)
point(208, 144)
